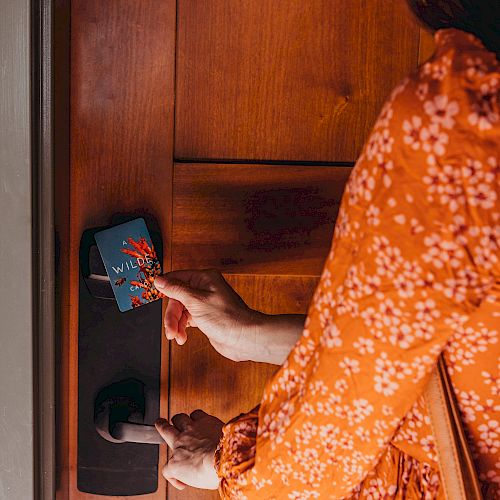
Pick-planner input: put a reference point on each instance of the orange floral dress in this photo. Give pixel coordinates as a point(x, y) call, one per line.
point(413, 271)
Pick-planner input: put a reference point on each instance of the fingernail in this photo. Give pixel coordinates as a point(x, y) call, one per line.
point(160, 282)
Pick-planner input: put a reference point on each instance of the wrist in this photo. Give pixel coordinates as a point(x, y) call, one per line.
point(274, 336)
point(209, 462)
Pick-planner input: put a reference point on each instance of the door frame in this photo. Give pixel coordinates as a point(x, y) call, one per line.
point(26, 216)
point(31, 111)
point(43, 242)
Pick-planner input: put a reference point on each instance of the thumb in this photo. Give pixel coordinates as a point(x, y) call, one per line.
point(176, 289)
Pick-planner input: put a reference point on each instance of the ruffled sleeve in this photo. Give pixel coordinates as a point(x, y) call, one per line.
point(235, 453)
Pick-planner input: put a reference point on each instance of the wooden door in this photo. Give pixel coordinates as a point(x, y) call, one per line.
point(235, 123)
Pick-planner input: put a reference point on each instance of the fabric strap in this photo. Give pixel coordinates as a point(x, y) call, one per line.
point(458, 475)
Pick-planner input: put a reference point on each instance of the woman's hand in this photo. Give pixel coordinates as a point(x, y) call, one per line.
point(193, 440)
point(205, 300)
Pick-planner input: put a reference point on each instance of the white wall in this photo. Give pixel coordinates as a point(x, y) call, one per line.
point(16, 336)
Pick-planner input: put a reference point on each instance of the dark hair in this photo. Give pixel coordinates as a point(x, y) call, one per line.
point(479, 17)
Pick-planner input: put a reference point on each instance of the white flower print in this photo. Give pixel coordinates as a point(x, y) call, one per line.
point(442, 111)
point(441, 69)
point(372, 146)
point(364, 345)
point(387, 410)
point(442, 251)
point(422, 90)
point(437, 70)
point(306, 433)
point(401, 336)
point(330, 336)
point(372, 318)
point(342, 226)
point(391, 315)
point(412, 132)
point(353, 283)
point(493, 381)
point(456, 288)
point(451, 189)
point(346, 441)
point(260, 483)
point(274, 424)
point(385, 141)
point(489, 434)
point(384, 165)
point(429, 446)
point(473, 171)
point(372, 284)
point(362, 433)
point(459, 229)
point(372, 215)
point(388, 261)
point(341, 385)
point(422, 365)
point(495, 168)
point(303, 495)
point(485, 108)
point(399, 89)
point(411, 270)
point(433, 139)
point(470, 405)
point(360, 186)
point(400, 219)
point(318, 387)
point(488, 249)
point(303, 352)
point(415, 226)
point(284, 470)
point(481, 195)
point(384, 385)
point(380, 244)
point(385, 115)
point(433, 180)
point(423, 330)
point(426, 310)
point(404, 286)
point(349, 366)
point(361, 409)
point(377, 490)
point(476, 67)
point(466, 343)
point(289, 381)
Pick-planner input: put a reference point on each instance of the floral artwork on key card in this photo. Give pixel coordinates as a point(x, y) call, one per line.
point(131, 262)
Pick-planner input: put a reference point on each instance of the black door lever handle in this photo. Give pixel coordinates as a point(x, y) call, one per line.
point(120, 413)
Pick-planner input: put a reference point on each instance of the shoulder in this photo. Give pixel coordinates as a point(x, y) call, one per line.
point(460, 82)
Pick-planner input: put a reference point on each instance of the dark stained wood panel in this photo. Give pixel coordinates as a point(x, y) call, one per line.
point(287, 79)
point(202, 378)
point(122, 96)
point(267, 219)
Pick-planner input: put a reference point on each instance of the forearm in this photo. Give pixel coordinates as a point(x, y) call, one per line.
point(275, 336)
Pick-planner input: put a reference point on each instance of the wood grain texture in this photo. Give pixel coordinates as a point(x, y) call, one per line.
point(287, 79)
point(265, 219)
point(122, 80)
point(202, 378)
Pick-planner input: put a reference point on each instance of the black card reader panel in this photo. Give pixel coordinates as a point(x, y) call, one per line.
point(114, 346)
